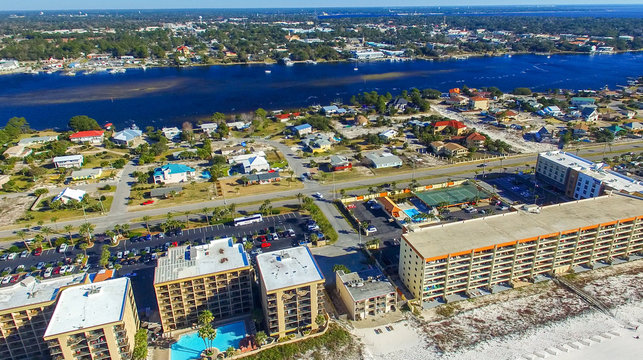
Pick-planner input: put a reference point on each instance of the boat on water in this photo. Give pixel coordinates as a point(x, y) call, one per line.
point(355, 69)
point(117, 71)
point(268, 71)
point(32, 71)
point(312, 62)
point(69, 73)
point(143, 67)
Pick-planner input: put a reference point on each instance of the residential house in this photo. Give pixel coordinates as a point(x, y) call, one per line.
point(69, 194)
point(94, 137)
point(171, 133)
point(173, 173)
point(208, 128)
point(361, 120)
point(338, 162)
point(550, 111)
point(303, 129)
point(286, 117)
point(614, 129)
point(185, 50)
point(127, 137)
point(580, 130)
point(69, 161)
point(264, 178)
point(238, 159)
point(85, 174)
point(317, 143)
point(37, 140)
point(400, 104)
point(456, 100)
point(165, 192)
point(455, 150)
point(475, 140)
point(437, 147)
point(580, 101)
point(629, 114)
point(454, 124)
point(388, 134)
point(239, 125)
point(17, 151)
point(383, 160)
point(232, 150)
point(634, 126)
point(589, 113)
point(256, 164)
point(479, 103)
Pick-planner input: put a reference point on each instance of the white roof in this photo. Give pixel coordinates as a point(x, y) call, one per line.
point(288, 267)
point(90, 305)
point(595, 170)
point(32, 291)
point(190, 261)
point(74, 194)
point(241, 158)
point(68, 158)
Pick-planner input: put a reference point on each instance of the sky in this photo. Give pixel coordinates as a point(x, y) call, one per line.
point(187, 4)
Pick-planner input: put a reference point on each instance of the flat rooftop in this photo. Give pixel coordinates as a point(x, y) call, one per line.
point(596, 170)
point(497, 229)
point(366, 284)
point(82, 307)
point(190, 261)
point(288, 267)
point(31, 291)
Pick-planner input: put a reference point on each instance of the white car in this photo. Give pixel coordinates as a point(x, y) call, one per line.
point(62, 248)
point(119, 255)
point(6, 279)
point(63, 269)
point(48, 272)
point(24, 254)
point(12, 256)
point(70, 268)
point(318, 195)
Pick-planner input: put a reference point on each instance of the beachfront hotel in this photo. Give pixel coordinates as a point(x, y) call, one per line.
point(365, 294)
point(25, 310)
point(216, 276)
point(492, 253)
point(291, 290)
point(94, 321)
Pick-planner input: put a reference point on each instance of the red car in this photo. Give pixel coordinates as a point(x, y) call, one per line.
point(148, 202)
point(57, 270)
point(265, 244)
point(351, 206)
point(37, 252)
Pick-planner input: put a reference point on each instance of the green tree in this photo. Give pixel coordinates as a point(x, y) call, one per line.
point(87, 230)
point(68, 229)
point(22, 234)
point(140, 345)
point(146, 221)
point(83, 247)
point(205, 330)
point(83, 123)
point(47, 231)
point(343, 267)
point(261, 337)
point(104, 256)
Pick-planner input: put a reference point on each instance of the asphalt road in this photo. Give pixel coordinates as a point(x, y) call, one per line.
point(456, 171)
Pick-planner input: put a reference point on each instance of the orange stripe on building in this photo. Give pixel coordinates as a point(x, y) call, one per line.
point(591, 227)
point(609, 223)
point(569, 231)
point(528, 240)
point(436, 258)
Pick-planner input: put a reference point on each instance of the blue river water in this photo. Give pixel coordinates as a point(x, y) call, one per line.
point(169, 96)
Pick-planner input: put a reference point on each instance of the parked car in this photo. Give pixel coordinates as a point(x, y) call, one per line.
point(12, 256)
point(20, 268)
point(48, 272)
point(6, 279)
point(40, 265)
point(62, 248)
point(351, 206)
point(318, 195)
point(37, 252)
point(56, 270)
point(24, 254)
point(148, 202)
point(119, 255)
point(4, 257)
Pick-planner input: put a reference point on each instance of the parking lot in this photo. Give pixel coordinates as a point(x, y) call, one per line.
point(522, 189)
point(131, 254)
point(373, 214)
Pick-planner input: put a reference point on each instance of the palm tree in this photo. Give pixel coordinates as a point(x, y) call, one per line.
point(232, 208)
point(87, 230)
point(342, 192)
point(206, 211)
point(68, 229)
point(53, 220)
point(83, 247)
point(37, 241)
point(300, 196)
point(187, 218)
point(125, 228)
point(205, 330)
point(117, 229)
point(146, 220)
point(260, 337)
point(110, 234)
point(47, 231)
point(22, 235)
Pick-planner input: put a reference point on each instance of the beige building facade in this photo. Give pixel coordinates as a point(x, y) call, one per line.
point(365, 294)
point(94, 322)
point(292, 294)
point(515, 248)
point(216, 276)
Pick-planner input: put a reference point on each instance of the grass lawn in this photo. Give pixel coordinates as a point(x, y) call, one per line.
point(67, 214)
point(392, 170)
point(270, 128)
point(95, 160)
point(233, 189)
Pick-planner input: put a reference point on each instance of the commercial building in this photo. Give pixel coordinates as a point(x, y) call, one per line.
point(216, 276)
point(69, 161)
point(94, 321)
point(69, 194)
point(365, 294)
point(579, 178)
point(291, 290)
point(25, 310)
point(383, 160)
point(502, 251)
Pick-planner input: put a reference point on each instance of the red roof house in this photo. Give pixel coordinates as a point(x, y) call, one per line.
point(457, 125)
point(91, 136)
point(475, 140)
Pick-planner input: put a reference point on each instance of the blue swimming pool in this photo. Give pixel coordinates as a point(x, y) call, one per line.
point(190, 346)
point(411, 212)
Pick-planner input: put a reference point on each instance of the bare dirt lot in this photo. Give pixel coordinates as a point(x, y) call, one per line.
point(12, 208)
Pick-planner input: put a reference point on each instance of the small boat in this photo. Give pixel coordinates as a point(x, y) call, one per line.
point(548, 56)
point(143, 67)
point(355, 69)
point(117, 71)
point(69, 73)
point(268, 71)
